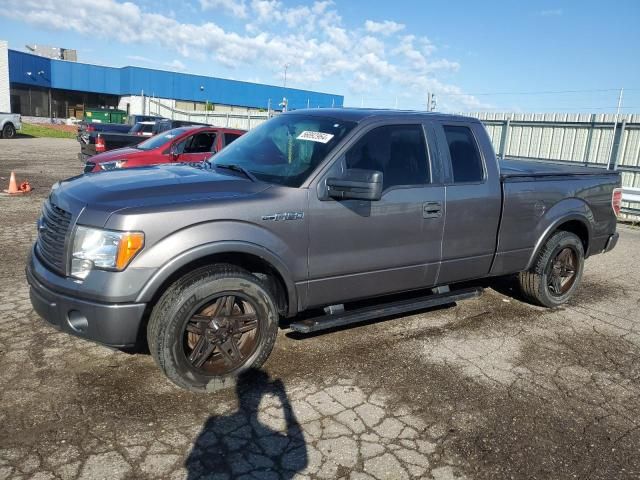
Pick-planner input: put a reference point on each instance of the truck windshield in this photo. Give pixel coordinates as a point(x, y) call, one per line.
point(160, 139)
point(285, 149)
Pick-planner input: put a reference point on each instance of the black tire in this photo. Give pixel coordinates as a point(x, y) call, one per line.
point(538, 284)
point(168, 331)
point(8, 131)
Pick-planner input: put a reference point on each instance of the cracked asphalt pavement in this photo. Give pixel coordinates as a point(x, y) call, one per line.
point(490, 388)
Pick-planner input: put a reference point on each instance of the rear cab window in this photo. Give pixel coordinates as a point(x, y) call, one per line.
point(466, 163)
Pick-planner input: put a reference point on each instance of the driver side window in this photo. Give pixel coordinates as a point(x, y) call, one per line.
point(199, 143)
point(398, 151)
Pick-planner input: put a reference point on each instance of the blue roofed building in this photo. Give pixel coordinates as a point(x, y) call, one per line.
point(45, 87)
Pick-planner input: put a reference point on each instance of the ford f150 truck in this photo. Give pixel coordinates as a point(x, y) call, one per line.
point(10, 123)
point(180, 145)
point(312, 209)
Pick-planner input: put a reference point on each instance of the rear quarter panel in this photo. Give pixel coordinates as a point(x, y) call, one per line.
point(535, 207)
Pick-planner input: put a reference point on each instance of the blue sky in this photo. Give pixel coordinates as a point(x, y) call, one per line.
point(490, 55)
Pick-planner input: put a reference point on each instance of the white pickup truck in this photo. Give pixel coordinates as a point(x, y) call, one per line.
point(10, 123)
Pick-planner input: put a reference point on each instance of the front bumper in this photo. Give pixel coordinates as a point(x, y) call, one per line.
point(112, 324)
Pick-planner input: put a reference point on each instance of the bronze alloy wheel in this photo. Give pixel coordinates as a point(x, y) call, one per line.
point(221, 335)
point(563, 272)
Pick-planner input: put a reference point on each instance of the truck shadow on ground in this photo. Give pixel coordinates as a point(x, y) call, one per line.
point(241, 444)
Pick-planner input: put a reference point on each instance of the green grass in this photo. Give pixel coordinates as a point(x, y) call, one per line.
point(34, 130)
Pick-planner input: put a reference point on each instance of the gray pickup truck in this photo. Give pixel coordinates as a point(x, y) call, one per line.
point(311, 210)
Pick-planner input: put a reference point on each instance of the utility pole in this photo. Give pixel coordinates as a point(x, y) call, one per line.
point(619, 102)
point(286, 66)
point(431, 102)
point(615, 128)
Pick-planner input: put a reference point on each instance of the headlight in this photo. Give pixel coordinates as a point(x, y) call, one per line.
point(113, 165)
point(103, 249)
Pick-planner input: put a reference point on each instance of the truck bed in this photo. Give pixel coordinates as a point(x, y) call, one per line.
point(521, 169)
point(560, 192)
point(111, 140)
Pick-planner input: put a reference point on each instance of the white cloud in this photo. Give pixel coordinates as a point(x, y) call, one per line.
point(387, 27)
point(313, 39)
point(139, 58)
point(237, 8)
point(172, 65)
point(176, 65)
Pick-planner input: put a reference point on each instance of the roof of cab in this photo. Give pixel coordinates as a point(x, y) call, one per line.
point(359, 114)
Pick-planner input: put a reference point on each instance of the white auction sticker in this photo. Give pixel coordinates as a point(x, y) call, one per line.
point(315, 136)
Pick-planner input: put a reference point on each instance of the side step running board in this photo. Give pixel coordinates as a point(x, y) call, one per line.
point(383, 310)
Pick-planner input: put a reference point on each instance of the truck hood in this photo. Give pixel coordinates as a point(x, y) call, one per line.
point(98, 195)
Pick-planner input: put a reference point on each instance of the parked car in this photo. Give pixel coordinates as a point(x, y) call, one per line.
point(184, 144)
point(10, 123)
point(312, 209)
point(95, 143)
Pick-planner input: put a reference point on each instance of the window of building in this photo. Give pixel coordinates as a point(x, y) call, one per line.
point(465, 157)
point(29, 101)
point(398, 151)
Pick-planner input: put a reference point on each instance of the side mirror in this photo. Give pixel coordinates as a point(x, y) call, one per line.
point(173, 151)
point(356, 184)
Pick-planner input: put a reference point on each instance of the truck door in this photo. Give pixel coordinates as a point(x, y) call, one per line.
point(474, 200)
point(363, 248)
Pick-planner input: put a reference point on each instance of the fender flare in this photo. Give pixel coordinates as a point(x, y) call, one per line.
point(150, 288)
point(553, 226)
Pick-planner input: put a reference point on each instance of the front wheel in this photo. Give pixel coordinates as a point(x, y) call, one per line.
point(557, 271)
point(210, 326)
point(8, 131)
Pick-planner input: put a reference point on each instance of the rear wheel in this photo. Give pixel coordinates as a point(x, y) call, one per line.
point(212, 325)
point(557, 271)
point(8, 131)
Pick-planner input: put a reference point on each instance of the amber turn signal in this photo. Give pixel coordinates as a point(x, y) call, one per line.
point(130, 244)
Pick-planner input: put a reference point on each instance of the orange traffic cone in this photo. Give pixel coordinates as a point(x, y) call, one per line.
point(13, 186)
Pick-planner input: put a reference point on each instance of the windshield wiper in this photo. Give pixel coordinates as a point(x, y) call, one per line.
point(238, 168)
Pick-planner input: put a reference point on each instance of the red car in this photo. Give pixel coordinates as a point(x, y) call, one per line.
point(184, 144)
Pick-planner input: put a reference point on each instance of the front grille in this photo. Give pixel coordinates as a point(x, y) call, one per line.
point(52, 232)
point(89, 166)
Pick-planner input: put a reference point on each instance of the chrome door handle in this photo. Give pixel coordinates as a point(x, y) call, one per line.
point(432, 210)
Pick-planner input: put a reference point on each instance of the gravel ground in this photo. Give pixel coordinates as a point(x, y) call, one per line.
point(491, 388)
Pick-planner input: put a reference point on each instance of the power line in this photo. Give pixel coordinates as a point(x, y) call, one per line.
point(542, 92)
point(562, 108)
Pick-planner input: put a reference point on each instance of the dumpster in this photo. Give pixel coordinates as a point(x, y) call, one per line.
point(105, 115)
